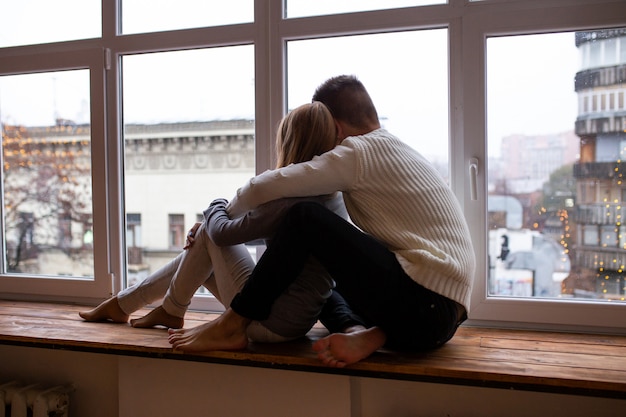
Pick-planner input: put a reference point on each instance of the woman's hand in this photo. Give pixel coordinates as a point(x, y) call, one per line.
point(191, 235)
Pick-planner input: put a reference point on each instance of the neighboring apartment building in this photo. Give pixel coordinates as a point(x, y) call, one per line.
point(601, 191)
point(528, 161)
point(173, 172)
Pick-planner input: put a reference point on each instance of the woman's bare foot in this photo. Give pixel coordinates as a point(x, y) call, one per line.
point(357, 343)
point(227, 332)
point(158, 317)
point(108, 310)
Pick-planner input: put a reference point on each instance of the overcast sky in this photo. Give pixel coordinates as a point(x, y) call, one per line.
point(530, 78)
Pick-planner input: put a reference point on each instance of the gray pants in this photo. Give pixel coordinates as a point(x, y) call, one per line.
point(221, 270)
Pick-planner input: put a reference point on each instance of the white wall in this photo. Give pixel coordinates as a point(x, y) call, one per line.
point(124, 386)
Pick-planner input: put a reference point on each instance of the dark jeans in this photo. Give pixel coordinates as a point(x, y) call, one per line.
point(367, 274)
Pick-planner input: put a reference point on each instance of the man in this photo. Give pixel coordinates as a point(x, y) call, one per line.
point(406, 268)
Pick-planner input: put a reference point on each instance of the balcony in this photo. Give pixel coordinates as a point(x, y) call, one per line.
point(600, 124)
point(595, 258)
point(599, 170)
point(600, 213)
point(600, 77)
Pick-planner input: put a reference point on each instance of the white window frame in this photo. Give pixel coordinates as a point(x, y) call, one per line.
point(469, 25)
point(39, 60)
point(519, 18)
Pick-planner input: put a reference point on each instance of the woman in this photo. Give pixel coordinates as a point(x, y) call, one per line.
point(215, 255)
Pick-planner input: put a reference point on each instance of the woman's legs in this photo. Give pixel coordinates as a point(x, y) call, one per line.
point(195, 268)
point(227, 267)
point(232, 265)
point(119, 308)
point(151, 289)
point(177, 281)
point(222, 270)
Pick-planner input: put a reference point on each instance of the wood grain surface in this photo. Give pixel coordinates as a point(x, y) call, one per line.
point(579, 364)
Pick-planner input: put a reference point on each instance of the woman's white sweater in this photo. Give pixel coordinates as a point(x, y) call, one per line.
point(392, 193)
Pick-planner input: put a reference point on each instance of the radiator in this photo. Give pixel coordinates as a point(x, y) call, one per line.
point(34, 400)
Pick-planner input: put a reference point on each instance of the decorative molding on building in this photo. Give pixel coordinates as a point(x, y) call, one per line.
point(223, 145)
point(226, 145)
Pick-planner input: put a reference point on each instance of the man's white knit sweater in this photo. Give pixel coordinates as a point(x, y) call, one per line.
point(392, 193)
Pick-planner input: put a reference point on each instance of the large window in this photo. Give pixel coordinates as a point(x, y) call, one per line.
point(118, 128)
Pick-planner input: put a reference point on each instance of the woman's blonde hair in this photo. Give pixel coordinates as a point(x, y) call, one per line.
point(305, 132)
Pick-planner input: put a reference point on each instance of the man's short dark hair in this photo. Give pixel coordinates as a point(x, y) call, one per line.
point(348, 100)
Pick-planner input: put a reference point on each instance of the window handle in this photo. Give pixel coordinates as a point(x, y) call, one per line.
point(473, 174)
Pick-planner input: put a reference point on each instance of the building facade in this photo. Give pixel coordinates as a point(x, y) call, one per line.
point(601, 192)
point(172, 172)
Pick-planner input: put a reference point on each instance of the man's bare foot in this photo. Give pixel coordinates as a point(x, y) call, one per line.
point(158, 317)
point(357, 343)
point(227, 332)
point(108, 310)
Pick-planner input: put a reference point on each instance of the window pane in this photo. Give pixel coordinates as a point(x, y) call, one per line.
point(47, 210)
point(189, 138)
point(556, 138)
point(53, 21)
point(301, 8)
point(140, 16)
point(411, 99)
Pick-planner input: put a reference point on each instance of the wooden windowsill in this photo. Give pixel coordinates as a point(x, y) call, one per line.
point(579, 364)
